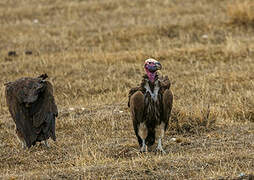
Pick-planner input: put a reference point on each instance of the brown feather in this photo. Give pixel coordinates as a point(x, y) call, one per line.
point(32, 106)
point(136, 104)
point(149, 111)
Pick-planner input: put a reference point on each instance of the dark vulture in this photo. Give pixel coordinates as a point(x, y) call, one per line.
point(33, 109)
point(150, 105)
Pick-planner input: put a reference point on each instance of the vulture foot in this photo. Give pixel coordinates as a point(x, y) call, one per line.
point(143, 148)
point(159, 147)
point(46, 144)
point(160, 150)
point(23, 145)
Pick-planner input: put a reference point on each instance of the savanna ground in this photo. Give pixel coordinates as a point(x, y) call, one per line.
point(94, 50)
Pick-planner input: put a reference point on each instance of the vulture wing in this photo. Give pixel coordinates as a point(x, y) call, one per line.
point(167, 99)
point(137, 105)
point(19, 113)
point(33, 109)
point(43, 113)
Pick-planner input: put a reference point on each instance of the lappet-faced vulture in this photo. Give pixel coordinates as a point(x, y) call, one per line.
point(150, 105)
point(32, 106)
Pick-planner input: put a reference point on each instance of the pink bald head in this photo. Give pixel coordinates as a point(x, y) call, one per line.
point(151, 66)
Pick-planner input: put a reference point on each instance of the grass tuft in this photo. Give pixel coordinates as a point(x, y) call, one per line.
point(195, 121)
point(241, 12)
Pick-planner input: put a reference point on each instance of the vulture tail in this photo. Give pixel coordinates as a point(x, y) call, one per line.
point(53, 127)
point(49, 129)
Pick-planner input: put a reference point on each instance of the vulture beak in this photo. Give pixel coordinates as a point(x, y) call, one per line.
point(152, 65)
point(158, 66)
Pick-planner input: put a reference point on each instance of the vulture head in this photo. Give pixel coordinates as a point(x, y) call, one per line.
point(151, 66)
point(29, 92)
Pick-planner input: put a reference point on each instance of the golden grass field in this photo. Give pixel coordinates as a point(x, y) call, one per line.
point(94, 50)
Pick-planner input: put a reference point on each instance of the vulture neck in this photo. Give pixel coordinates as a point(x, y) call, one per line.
point(152, 76)
point(151, 80)
point(151, 87)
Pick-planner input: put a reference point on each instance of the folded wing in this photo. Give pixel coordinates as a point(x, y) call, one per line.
point(35, 120)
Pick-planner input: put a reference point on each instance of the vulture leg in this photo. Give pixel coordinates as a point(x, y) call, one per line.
point(160, 129)
point(21, 139)
point(142, 132)
point(137, 111)
point(46, 144)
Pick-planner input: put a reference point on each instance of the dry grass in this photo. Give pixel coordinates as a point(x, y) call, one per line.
point(242, 12)
point(94, 51)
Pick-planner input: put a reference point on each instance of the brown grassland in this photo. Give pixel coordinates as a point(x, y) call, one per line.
point(94, 50)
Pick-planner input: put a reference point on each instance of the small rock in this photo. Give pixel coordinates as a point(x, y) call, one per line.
point(241, 174)
point(205, 36)
point(7, 59)
point(12, 53)
point(28, 52)
point(71, 109)
point(173, 139)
